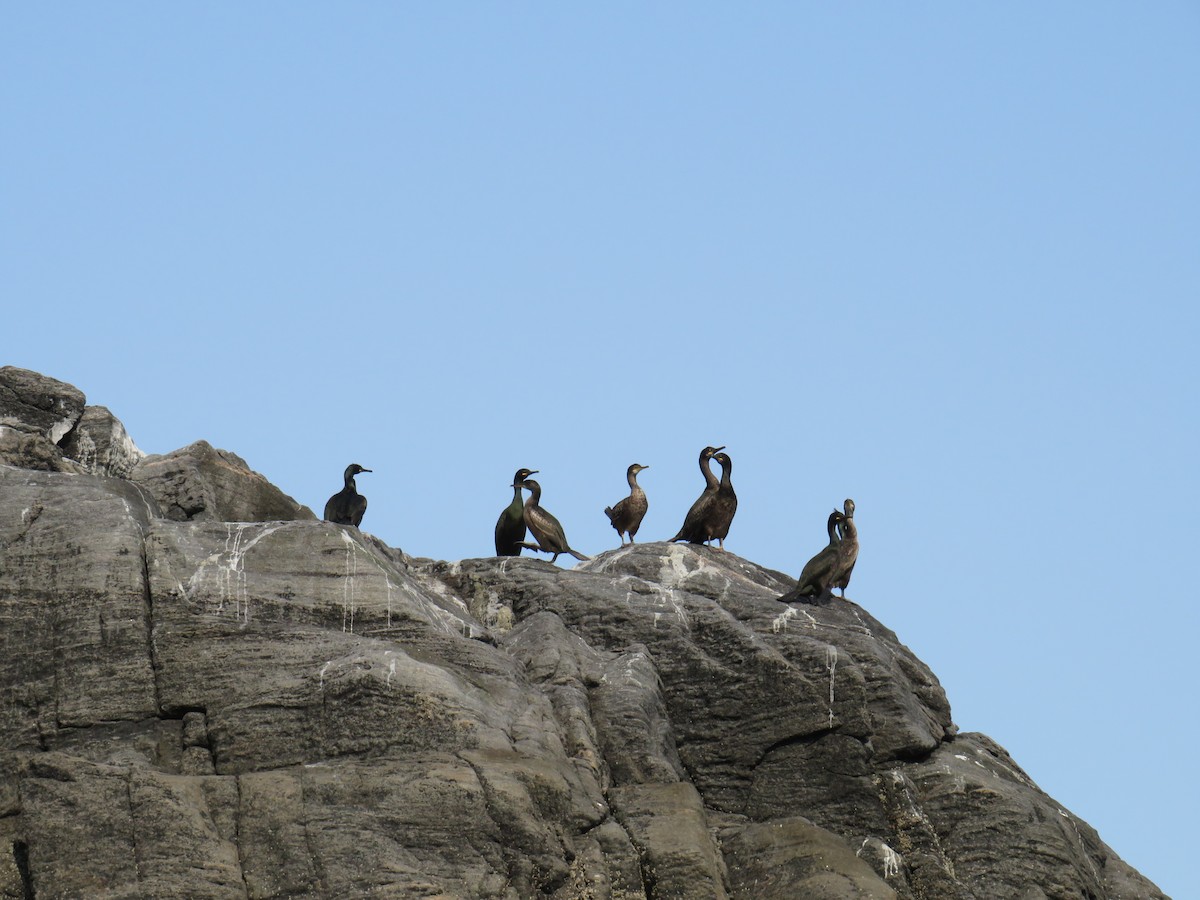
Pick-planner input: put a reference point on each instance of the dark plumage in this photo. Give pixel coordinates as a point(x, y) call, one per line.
point(724, 505)
point(626, 516)
point(694, 529)
point(546, 529)
point(347, 506)
point(816, 579)
point(510, 527)
point(847, 549)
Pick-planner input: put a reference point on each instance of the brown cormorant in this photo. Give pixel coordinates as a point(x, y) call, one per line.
point(546, 529)
point(510, 527)
point(816, 579)
point(720, 513)
point(847, 549)
point(627, 514)
point(694, 529)
point(347, 506)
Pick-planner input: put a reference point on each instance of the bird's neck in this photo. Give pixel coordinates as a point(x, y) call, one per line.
point(706, 468)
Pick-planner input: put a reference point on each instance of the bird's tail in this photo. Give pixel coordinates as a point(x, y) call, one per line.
point(608, 512)
point(799, 595)
point(577, 554)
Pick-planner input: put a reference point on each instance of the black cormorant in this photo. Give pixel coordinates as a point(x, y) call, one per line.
point(546, 529)
point(693, 530)
point(347, 506)
point(510, 527)
point(816, 579)
point(627, 514)
point(720, 513)
point(847, 549)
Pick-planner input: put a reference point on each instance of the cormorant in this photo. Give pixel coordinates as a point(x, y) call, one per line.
point(347, 506)
point(546, 529)
point(816, 579)
point(510, 527)
point(627, 514)
point(693, 530)
point(847, 549)
point(720, 513)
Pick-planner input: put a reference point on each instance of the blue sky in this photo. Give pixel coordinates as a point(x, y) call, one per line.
point(938, 258)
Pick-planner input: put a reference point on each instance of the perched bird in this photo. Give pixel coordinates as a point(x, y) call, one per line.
point(720, 512)
point(546, 529)
point(627, 514)
point(847, 549)
point(347, 506)
point(694, 529)
point(510, 527)
point(816, 579)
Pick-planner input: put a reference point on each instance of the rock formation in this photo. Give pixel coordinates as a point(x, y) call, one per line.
point(277, 707)
point(201, 483)
point(36, 413)
point(99, 443)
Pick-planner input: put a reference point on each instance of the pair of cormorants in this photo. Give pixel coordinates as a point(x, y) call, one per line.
point(712, 513)
point(831, 567)
point(521, 515)
point(347, 506)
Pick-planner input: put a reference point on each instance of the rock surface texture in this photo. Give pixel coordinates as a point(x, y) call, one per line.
point(199, 708)
point(36, 413)
point(203, 484)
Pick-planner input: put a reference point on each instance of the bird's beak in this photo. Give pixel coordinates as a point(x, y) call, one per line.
point(366, 470)
point(718, 450)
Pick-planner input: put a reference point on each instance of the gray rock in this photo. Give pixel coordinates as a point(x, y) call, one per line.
point(25, 450)
point(35, 404)
point(73, 602)
point(45, 425)
point(196, 707)
point(669, 825)
point(202, 483)
point(791, 857)
point(100, 444)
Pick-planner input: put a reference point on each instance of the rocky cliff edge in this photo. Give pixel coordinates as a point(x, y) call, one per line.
point(286, 708)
